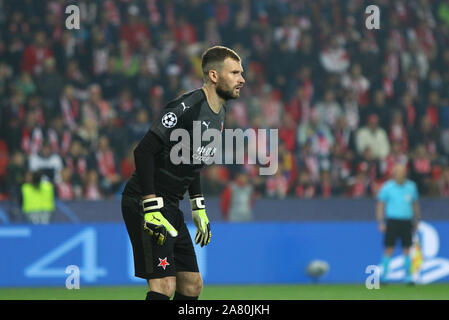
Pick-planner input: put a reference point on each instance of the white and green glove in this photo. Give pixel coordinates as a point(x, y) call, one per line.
point(154, 222)
point(203, 233)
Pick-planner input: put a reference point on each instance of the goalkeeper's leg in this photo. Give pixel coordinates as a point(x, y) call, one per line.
point(188, 285)
point(161, 289)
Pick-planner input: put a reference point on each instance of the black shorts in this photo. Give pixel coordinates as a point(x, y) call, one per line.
point(152, 261)
point(401, 229)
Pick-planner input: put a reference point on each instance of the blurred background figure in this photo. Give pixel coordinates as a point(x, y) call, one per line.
point(398, 214)
point(237, 199)
point(37, 198)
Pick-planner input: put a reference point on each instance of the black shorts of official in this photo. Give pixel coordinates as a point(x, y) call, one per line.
point(152, 261)
point(398, 229)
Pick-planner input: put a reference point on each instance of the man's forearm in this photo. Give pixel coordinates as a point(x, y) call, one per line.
point(195, 187)
point(144, 161)
point(416, 211)
point(380, 212)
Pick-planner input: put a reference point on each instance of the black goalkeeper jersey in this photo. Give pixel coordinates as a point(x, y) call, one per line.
point(172, 180)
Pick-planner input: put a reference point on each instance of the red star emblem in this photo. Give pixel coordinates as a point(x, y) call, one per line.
point(163, 263)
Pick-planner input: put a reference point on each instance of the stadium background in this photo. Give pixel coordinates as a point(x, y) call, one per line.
point(75, 102)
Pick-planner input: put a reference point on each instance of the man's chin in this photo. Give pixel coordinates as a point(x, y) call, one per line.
point(228, 95)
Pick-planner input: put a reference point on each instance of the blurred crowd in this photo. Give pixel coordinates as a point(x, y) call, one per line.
point(349, 102)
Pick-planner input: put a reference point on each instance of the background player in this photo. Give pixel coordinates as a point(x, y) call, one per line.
point(163, 250)
point(398, 199)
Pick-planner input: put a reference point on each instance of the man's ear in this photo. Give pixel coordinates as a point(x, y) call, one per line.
point(213, 76)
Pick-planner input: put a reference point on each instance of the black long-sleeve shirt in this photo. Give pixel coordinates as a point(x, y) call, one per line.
point(155, 172)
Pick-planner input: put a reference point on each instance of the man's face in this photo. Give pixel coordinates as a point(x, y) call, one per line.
point(230, 79)
point(400, 173)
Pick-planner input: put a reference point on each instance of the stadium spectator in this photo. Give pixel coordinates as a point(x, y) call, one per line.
point(36, 53)
point(277, 185)
point(427, 135)
point(409, 112)
point(70, 108)
point(414, 56)
point(138, 127)
point(237, 199)
point(356, 81)
point(127, 165)
point(443, 183)
point(287, 133)
point(421, 168)
point(37, 198)
point(96, 107)
point(64, 188)
point(318, 134)
point(16, 173)
point(397, 156)
point(48, 163)
point(304, 187)
point(91, 188)
point(378, 106)
point(106, 163)
point(374, 137)
point(76, 162)
point(329, 109)
point(133, 31)
point(25, 84)
point(49, 83)
point(334, 58)
point(325, 187)
point(398, 132)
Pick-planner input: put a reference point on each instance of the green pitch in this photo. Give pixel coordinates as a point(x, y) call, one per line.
point(231, 292)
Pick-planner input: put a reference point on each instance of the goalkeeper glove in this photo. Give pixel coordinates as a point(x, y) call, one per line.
point(154, 222)
point(203, 233)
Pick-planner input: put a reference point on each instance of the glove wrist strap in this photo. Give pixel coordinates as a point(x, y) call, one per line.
point(197, 203)
point(152, 204)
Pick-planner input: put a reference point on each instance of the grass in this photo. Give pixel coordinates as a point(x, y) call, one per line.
point(241, 292)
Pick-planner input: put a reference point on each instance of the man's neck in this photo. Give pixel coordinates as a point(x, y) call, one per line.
point(214, 101)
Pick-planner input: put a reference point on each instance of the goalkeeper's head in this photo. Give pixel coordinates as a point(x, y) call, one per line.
point(222, 68)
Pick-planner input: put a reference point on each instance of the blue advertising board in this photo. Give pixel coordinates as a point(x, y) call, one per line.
point(240, 253)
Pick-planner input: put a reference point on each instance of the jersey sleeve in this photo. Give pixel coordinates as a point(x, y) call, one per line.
point(383, 193)
point(174, 116)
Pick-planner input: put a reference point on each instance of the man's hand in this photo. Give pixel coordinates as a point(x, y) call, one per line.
point(154, 222)
point(415, 224)
point(382, 227)
point(203, 233)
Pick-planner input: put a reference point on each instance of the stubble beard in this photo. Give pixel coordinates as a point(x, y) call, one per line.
point(224, 93)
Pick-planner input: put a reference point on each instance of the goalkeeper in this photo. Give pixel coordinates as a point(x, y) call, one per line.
point(162, 247)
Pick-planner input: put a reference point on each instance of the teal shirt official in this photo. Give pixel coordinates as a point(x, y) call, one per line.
point(398, 199)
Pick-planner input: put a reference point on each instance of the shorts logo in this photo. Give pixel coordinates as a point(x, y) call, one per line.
point(169, 120)
point(163, 263)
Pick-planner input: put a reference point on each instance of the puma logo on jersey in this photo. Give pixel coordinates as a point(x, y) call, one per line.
point(184, 107)
point(206, 124)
